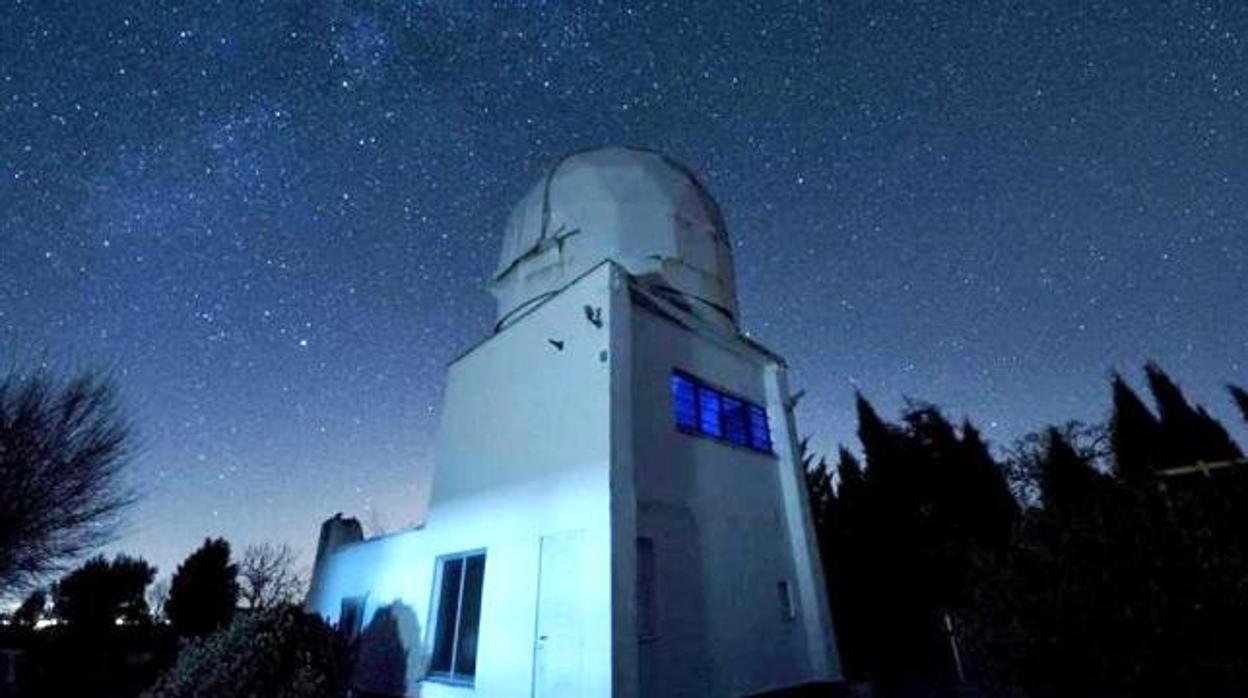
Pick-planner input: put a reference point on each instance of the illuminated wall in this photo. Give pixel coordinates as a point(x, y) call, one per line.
point(563, 422)
point(728, 524)
point(624, 556)
point(524, 451)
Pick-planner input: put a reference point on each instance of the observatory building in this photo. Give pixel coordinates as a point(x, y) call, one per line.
point(618, 508)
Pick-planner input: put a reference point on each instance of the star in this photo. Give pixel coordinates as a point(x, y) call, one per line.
point(274, 218)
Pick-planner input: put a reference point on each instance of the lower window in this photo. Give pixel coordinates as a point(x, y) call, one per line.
point(647, 598)
point(457, 616)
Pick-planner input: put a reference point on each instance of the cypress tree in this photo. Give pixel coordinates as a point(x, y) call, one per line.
point(1241, 399)
point(996, 510)
point(896, 643)
point(945, 506)
point(204, 590)
point(1190, 434)
point(882, 443)
point(1089, 534)
point(850, 569)
point(1134, 435)
point(1068, 483)
point(850, 481)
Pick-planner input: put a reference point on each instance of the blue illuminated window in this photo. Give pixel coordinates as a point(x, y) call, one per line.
point(684, 402)
point(760, 434)
point(709, 411)
point(736, 424)
point(701, 409)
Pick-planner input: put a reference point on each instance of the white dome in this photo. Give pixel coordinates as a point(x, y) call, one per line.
point(637, 208)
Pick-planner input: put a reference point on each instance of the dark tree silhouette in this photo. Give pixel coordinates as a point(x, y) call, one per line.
point(204, 590)
point(1068, 482)
point(1190, 435)
point(1046, 615)
point(100, 593)
point(32, 609)
point(1120, 581)
point(929, 500)
point(63, 447)
point(898, 643)
point(844, 542)
point(1241, 399)
point(1088, 563)
point(883, 445)
point(964, 510)
point(849, 474)
point(993, 511)
point(1134, 434)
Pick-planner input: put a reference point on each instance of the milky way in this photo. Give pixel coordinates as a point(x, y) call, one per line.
point(273, 221)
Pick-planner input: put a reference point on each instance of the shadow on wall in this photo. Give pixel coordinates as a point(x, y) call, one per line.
point(383, 662)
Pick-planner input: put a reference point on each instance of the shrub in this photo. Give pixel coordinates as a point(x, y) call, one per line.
point(282, 652)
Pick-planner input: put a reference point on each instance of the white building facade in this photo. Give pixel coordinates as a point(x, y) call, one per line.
point(618, 508)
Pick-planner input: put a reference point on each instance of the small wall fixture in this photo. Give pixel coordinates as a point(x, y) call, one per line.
point(594, 315)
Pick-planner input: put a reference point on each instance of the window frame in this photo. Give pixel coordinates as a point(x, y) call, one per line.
point(747, 408)
point(435, 608)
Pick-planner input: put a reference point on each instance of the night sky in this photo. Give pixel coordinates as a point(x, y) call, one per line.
point(273, 221)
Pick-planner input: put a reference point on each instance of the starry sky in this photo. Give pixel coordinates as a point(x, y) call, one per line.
point(272, 221)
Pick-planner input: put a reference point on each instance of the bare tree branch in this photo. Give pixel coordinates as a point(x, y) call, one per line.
point(63, 450)
point(157, 597)
point(267, 576)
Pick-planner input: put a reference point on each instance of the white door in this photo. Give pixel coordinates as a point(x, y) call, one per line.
point(559, 646)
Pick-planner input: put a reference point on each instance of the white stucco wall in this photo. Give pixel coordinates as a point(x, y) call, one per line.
point(530, 445)
point(728, 524)
point(524, 451)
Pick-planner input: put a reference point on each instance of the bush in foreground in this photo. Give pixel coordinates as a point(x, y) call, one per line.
point(282, 652)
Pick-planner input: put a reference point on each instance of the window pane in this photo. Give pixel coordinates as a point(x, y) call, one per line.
point(736, 425)
point(760, 432)
point(708, 407)
point(684, 402)
point(448, 607)
point(470, 617)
